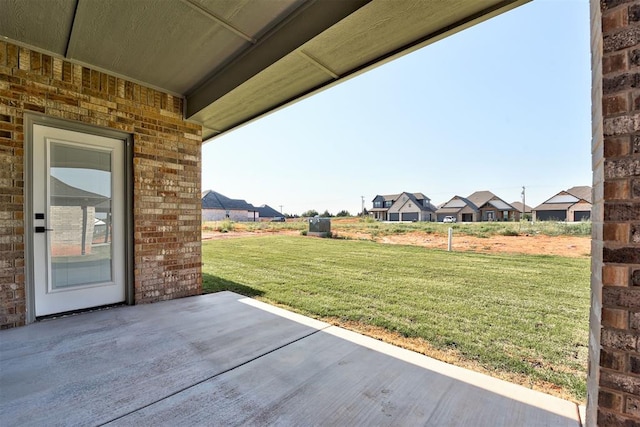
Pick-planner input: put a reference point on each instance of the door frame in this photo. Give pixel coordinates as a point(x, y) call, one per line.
point(31, 119)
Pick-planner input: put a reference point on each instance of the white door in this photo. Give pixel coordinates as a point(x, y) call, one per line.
point(79, 218)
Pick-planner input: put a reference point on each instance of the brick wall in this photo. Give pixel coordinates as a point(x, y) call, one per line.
point(615, 316)
point(166, 169)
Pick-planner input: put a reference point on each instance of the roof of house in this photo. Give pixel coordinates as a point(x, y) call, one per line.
point(480, 198)
point(518, 206)
point(414, 197)
point(448, 210)
point(553, 206)
point(501, 205)
point(566, 199)
point(475, 201)
point(394, 197)
point(387, 197)
point(455, 204)
point(581, 192)
point(266, 211)
point(215, 200)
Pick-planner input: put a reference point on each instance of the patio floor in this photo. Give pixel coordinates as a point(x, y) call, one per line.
point(223, 359)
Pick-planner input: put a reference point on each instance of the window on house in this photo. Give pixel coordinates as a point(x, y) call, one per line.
point(377, 204)
point(388, 204)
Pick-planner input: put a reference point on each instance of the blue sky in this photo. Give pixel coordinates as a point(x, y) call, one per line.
point(501, 105)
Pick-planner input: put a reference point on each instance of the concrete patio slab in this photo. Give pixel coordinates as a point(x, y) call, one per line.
point(223, 359)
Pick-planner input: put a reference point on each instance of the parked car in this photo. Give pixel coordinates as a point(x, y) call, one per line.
point(278, 219)
point(449, 219)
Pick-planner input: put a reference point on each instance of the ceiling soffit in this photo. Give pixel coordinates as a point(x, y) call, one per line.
point(376, 33)
point(237, 60)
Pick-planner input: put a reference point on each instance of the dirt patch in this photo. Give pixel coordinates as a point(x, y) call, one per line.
point(569, 246)
point(217, 235)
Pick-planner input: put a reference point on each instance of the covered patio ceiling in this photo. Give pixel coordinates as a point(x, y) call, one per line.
point(236, 60)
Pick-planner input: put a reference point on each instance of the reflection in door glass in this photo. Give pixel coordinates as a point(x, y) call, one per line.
point(79, 216)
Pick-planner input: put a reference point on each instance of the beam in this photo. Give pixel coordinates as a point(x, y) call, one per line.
point(305, 23)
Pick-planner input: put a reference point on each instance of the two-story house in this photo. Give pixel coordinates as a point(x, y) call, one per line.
point(403, 207)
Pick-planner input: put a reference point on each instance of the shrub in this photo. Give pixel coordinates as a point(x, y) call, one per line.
point(309, 214)
point(225, 226)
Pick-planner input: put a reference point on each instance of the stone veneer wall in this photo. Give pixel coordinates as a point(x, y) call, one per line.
point(166, 170)
point(614, 370)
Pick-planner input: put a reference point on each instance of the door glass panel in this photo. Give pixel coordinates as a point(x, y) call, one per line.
point(79, 215)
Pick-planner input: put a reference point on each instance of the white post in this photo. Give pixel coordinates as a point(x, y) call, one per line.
point(450, 239)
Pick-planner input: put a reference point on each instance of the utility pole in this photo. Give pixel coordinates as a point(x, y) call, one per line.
point(281, 210)
point(362, 211)
point(524, 206)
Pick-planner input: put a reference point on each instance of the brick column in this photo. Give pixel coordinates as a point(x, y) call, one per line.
point(614, 368)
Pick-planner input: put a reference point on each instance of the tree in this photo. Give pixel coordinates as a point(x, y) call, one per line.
point(326, 214)
point(310, 213)
point(343, 213)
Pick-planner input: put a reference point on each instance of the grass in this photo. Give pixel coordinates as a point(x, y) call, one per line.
point(509, 314)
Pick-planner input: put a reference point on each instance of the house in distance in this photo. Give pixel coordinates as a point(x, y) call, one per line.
point(571, 205)
point(217, 207)
point(479, 206)
point(403, 207)
point(267, 213)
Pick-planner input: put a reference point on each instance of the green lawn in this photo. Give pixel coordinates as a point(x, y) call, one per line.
point(509, 313)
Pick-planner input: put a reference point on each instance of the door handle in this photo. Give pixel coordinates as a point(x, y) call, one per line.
point(41, 229)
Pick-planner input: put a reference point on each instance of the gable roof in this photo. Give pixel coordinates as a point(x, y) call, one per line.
point(417, 198)
point(475, 201)
point(553, 206)
point(501, 205)
point(480, 198)
point(387, 197)
point(581, 192)
point(455, 205)
point(266, 211)
point(420, 196)
point(565, 199)
point(518, 207)
point(394, 197)
point(414, 197)
point(215, 200)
